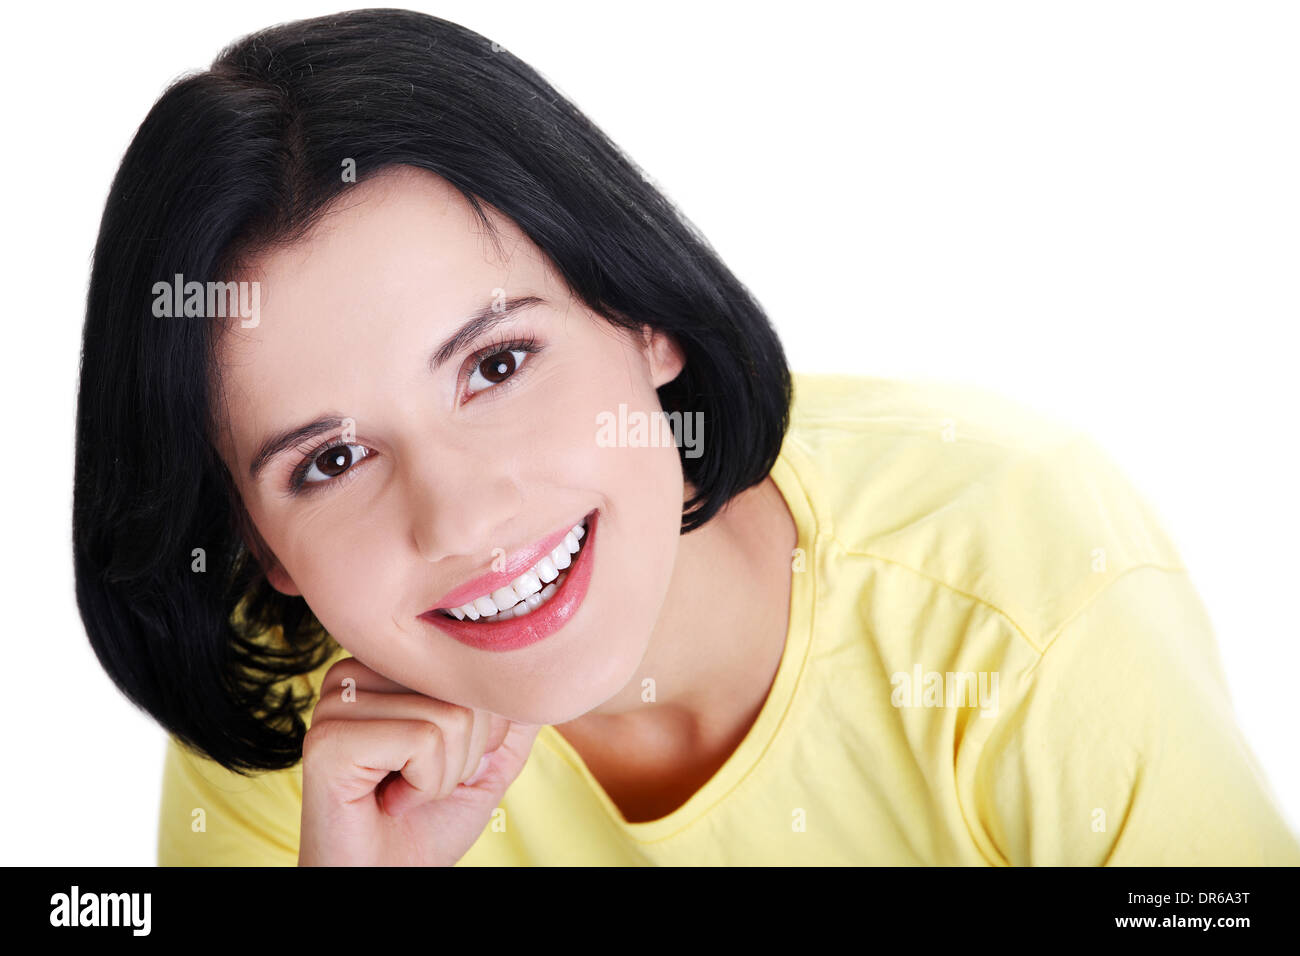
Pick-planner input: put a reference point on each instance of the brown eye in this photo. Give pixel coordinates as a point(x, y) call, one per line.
point(331, 463)
point(497, 368)
point(335, 461)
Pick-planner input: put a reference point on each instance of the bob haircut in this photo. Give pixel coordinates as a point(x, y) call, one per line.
point(250, 153)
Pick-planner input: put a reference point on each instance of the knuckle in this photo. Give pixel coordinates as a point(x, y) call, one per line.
point(452, 719)
point(461, 722)
point(318, 738)
point(334, 676)
point(435, 739)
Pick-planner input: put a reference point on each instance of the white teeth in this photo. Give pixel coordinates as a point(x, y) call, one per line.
point(486, 607)
point(528, 591)
point(560, 557)
point(527, 583)
point(528, 604)
point(518, 589)
point(546, 570)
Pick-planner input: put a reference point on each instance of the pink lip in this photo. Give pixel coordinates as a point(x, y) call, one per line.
point(516, 564)
point(519, 632)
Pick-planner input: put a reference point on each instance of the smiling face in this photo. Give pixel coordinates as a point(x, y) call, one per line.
point(441, 473)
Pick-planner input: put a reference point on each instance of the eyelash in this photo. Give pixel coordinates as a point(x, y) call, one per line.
point(298, 485)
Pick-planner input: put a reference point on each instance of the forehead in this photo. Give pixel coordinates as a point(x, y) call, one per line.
point(401, 226)
point(396, 263)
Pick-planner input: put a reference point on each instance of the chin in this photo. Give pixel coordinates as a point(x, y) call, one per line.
point(542, 699)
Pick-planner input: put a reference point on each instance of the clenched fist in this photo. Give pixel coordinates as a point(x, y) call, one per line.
point(395, 778)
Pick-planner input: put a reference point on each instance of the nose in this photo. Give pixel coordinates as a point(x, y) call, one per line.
point(459, 498)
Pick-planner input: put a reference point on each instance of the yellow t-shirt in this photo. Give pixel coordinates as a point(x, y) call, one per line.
point(995, 656)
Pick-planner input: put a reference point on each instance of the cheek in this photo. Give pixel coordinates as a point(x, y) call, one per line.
point(347, 571)
point(640, 481)
point(639, 487)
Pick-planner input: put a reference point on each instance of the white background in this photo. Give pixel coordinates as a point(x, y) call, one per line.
point(1093, 208)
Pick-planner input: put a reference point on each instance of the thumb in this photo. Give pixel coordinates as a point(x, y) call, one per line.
point(500, 767)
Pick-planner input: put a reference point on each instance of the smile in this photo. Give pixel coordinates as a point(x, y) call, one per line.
point(530, 590)
point(533, 605)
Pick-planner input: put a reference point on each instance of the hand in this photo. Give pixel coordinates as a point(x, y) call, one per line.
point(393, 778)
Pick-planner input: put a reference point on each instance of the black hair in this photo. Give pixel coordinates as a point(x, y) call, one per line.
point(250, 152)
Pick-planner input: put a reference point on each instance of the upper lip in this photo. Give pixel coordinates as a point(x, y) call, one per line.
point(517, 563)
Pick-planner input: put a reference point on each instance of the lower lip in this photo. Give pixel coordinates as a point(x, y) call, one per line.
point(536, 625)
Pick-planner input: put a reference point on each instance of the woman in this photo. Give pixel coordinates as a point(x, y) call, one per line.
point(377, 513)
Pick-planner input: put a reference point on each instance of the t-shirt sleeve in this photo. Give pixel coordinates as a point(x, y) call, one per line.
point(210, 816)
point(1122, 747)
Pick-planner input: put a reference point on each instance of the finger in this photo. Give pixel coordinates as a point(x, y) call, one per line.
point(500, 728)
point(371, 706)
point(458, 743)
point(467, 734)
point(351, 757)
point(503, 764)
point(479, 739)
point(519, 738)
point(362, 676)
point(493, 728)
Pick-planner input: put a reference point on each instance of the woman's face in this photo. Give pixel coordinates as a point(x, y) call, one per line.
point(436, 472)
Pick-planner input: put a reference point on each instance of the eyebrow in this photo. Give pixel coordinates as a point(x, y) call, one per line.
point(480, 322)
